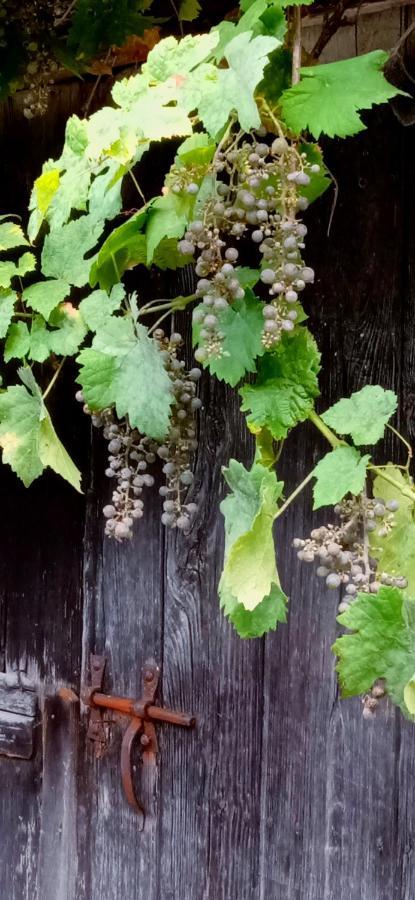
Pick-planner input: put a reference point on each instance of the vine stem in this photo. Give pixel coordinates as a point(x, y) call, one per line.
point(159, 321)
point(296, 64)
point(176, 13)
point(54, 379)
point(404, 442)
point(336, 442)
point(166, 306)
point(294, 494)
point(137, 186)
point(406, 492)
point(325, 430)
point(273, 118)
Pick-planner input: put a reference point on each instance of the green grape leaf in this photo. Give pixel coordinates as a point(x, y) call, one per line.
point(53, 454)
point(123, 249)
point(104, 197)
point(409, 695)
point(250, 575)
point(259, 621)
point(124, 368)
point(27, 436)
point(395, 551)
point(167, 217)
point(247, 277)
point(71, 194)
point(286, 387)
point(45, 188)
point(167, 256)
point(27, 263)
point(196, 150)
point(98, 307)
point(363, 415)
point(17, 342)
point(328, 97)
point(242, 325)
point(19, 433)
point(69, 329)
point(189, 10)
point(277, 77)
point(259, 17)
point(382, 645)
point(44, 296)
point(7, 271)
point(171, 57)
point(216, 93)
point(319, 181)
point(7, 301)
point(39, 348)
point(340, 472)
point(90, 33)
point(76, 135)
point(10, 270)
point(11, 236)
point(64, 250)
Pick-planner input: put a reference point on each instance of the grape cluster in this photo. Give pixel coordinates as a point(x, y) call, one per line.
point(371, 700)
point(184, 178)
point(218, 287)
point(342, 551)
point(181, 442)
point(35, 21)
point(260, 199)
point(132, 455)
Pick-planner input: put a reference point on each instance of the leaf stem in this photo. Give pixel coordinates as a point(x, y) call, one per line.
point(405, 442)
point(137, 186)
point(176, 13)
point(54, 379)
point(406, 492)
point(159, 321)
point(336, 442)
point(325, 430)
point(294, 494)
point(174, 305)
point(268, 111)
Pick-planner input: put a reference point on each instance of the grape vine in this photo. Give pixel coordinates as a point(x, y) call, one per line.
point(246, 166)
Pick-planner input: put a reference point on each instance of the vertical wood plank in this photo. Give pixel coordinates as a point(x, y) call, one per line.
point(330, 789)
point(123, 602)
point(211, 779)
point(57, 871)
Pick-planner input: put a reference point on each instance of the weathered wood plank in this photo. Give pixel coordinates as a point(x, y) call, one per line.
point(57, 868)
point(15, 699)
point(330, 818)
point(16, 735)
point(123, 601)
point(211, 780)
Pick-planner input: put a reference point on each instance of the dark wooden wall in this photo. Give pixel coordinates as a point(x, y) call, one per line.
point(283, 791)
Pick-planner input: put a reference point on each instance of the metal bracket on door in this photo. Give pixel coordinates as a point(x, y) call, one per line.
point(143, 713)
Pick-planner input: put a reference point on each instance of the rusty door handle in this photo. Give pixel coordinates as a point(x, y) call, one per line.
point(143, 713)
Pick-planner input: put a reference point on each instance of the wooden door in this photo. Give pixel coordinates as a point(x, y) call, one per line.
point(282, 791)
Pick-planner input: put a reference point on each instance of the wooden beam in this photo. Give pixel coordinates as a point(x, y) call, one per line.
point(363, 9)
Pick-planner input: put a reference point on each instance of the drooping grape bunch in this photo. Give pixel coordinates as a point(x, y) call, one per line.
point(181, 442)
point(260, 199)
point(132, 455)
point(342, 551)
point(36, 22)
point(129, 457)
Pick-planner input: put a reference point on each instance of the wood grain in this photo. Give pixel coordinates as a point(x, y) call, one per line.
point(282, 790)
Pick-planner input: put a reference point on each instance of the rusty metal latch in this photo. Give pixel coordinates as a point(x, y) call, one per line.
point(143, 713)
